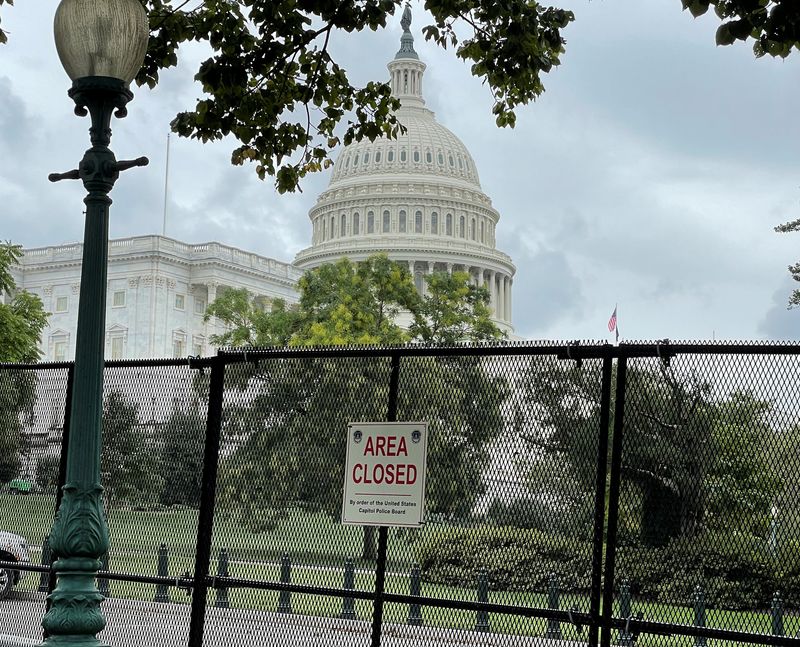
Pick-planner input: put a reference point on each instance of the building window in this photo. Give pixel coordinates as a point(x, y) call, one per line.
point(450, 160)
point(197, 346)
point(356, 224)
point(333, 227)
point(180, 301)
point(418, 222)
point(377, 156)
point(117, 347)
point(402, 154)
point(449, 224)
point(343, 226)
point(416, 156)
point(428, 157)
point(440, 158)
point(390, 156)
point(402, 221)
point(179, 345)
point(366, 157)
point(118, 299)
point(62, 303)
point(199, 306)
point(483, 233)
point(370, 222)
point(386, 222)
point(60, 350)
point(355, 160)
point(472, 229)
point(324, 232)
point(434, 223)
point(461, 231)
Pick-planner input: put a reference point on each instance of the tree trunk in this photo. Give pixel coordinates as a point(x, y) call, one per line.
point(368, 550)
point(661, 515)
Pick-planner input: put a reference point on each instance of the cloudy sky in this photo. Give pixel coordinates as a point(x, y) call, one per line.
point(649, 175)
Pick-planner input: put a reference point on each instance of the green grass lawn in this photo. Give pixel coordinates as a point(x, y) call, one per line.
point(318, 548)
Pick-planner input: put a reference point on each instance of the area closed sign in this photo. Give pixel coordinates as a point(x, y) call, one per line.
point(384, 478)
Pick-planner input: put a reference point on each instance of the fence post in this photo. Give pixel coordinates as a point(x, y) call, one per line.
point(205, 520)
point(44, 576)
point(625, 638)
point(482, 616)
point(777, 615)
point(699, 615)
point(614, 483)
point(414, 609)
point(102, 582)
point(349, 604)
point(553, 625)
point(222, 571)
point(284, 598)
point(162, 592)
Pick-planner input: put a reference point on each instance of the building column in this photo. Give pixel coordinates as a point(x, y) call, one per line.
point(501, 310)
point(492, 295)
point(449, 268)
point(508, 307)
point(425, 283)
point(211, 325)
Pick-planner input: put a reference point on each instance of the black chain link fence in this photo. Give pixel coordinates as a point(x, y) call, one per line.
point(645, 494)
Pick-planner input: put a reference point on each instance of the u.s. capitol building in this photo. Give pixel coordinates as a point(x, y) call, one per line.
point(416, 198)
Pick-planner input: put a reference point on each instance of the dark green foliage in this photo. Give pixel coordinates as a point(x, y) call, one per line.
point(183, 437)
point(515, 559)
point(688, 464)
point(47, 474)
point(734, 570)
point(129, 467)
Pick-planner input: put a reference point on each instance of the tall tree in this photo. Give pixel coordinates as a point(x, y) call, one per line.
point(181, 460)
point(291, 432)
point(682, 463)
point(794, 270)
point(22, 319)
point(128, 466)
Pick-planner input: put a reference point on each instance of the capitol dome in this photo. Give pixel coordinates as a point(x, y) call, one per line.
point(416, 197)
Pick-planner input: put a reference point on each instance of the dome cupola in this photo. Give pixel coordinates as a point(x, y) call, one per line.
point(416, 197)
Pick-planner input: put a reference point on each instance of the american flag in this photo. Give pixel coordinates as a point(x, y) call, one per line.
point(612, 323)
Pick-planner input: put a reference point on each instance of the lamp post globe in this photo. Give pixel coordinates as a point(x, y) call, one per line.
point(101, 44)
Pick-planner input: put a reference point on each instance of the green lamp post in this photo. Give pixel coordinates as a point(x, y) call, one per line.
point(101, 44)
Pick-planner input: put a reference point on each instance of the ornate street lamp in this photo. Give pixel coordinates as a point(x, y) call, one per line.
point(101, 44)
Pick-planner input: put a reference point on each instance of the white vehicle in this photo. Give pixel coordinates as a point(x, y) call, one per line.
point(13, 548)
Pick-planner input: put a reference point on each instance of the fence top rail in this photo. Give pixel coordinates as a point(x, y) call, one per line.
point(577, 350)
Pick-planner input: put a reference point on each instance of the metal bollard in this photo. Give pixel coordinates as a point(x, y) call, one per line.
point(553, 602)
point(162, 591)
point(349, 604)
point(102, 582)
point(481, 616)
point(777, 615)
point(414, 609)
point(44, 577)
point(625, 637)
point(284, 599)
point(699, 615)
point(222, 571)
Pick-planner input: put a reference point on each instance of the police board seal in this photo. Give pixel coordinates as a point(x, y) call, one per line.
point(415, 436)
point(357, 436)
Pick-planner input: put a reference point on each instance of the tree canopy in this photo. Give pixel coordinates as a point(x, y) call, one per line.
point(288, 425)
point(271, 83)
point(22, 319)
point(689, 463)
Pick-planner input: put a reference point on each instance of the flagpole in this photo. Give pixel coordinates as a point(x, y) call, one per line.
point(166, 188)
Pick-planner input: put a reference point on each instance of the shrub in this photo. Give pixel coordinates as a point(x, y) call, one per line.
point(515, 559)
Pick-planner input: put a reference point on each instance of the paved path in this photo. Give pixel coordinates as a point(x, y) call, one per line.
point(133, 623)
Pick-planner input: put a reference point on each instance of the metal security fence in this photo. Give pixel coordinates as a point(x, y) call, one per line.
point(641, 494)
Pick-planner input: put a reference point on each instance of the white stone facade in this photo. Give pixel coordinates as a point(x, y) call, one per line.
point(158, 291)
